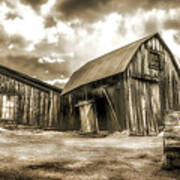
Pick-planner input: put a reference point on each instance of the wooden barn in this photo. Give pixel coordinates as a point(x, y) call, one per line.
point(130, 88)
point(27, 101)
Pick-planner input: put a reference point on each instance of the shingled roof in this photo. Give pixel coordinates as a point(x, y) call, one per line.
point(110, 64)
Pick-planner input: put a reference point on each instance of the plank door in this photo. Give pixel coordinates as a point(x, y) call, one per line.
point(151, 113)
point(154, 113)
point(88, 118)
point(156, 104)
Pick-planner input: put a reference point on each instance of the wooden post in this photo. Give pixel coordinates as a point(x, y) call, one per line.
point(42, 109)
point(16, 109)
point(55, 111)
point(26, 104)
point(46, 117)
point(31, 107)
point(0, 106)
point(51, 108)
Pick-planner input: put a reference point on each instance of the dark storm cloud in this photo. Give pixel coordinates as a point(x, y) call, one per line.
point(151, 25)
point(9, 3)
point(29, 65)
point(44, 48)
point(76, 5)
point(3, 37)
point(18, 59)
point(163, 4)
point(16, 40)
point(172, 23)
point(82, 25)
point(80, 8)
point(96, 9)
point(35, 4)
point(12, 16)
point(50, 22)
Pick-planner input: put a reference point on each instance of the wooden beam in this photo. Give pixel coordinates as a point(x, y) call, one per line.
point(111, 106)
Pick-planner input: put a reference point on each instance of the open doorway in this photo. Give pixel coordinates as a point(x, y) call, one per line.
point(101, 108)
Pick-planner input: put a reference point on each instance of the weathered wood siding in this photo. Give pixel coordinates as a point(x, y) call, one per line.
point(33, 106)
point(136, 99)
point(109, 106)
point(149, 92)
point(70, 116)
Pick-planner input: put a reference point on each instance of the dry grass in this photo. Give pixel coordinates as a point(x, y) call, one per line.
point(52, 155)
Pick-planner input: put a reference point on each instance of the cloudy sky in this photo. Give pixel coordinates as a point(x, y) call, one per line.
point(49, 39)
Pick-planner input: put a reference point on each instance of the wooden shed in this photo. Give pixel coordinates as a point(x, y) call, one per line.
point(131, 87)
point(28, 101)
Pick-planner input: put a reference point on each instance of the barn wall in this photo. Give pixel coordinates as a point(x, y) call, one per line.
point(116, 95)
point(140, 96)
point(109, 104)
point(32, 106)
point(171, 85)
point(70, 119)
point(168, 77)
point(143, 110)
point(150, 93)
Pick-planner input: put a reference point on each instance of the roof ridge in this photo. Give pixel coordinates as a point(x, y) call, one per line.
point(103, 67)
point(117, 49)
point(29, 78)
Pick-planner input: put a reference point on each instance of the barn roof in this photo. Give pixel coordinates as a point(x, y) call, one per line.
point(27, 79)
point(108, 65)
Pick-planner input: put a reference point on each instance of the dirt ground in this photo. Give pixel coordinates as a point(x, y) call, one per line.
point(37, 154)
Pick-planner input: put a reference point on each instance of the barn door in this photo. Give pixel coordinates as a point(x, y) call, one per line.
point(150, 109)
point(88, 117)
point(156, 105)
point(153, 109)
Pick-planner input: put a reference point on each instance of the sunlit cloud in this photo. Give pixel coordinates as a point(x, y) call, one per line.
point(168, 36)
point(30, 26)
point(45, 8)
point(50, 60)
point(54, 81)
point(30, 48)
point(11, 46)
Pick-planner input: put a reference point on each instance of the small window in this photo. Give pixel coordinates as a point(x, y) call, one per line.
point(156, 60)
point(7, 107)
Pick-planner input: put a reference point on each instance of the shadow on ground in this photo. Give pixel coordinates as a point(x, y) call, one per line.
point(54, 155)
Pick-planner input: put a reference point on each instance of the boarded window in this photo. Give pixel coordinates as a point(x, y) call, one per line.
point(7, 107)
point(156, 60)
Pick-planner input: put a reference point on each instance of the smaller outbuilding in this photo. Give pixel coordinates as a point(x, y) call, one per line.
point(28, 101)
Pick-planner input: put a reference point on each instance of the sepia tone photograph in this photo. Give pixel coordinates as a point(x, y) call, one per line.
point(90, 89)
